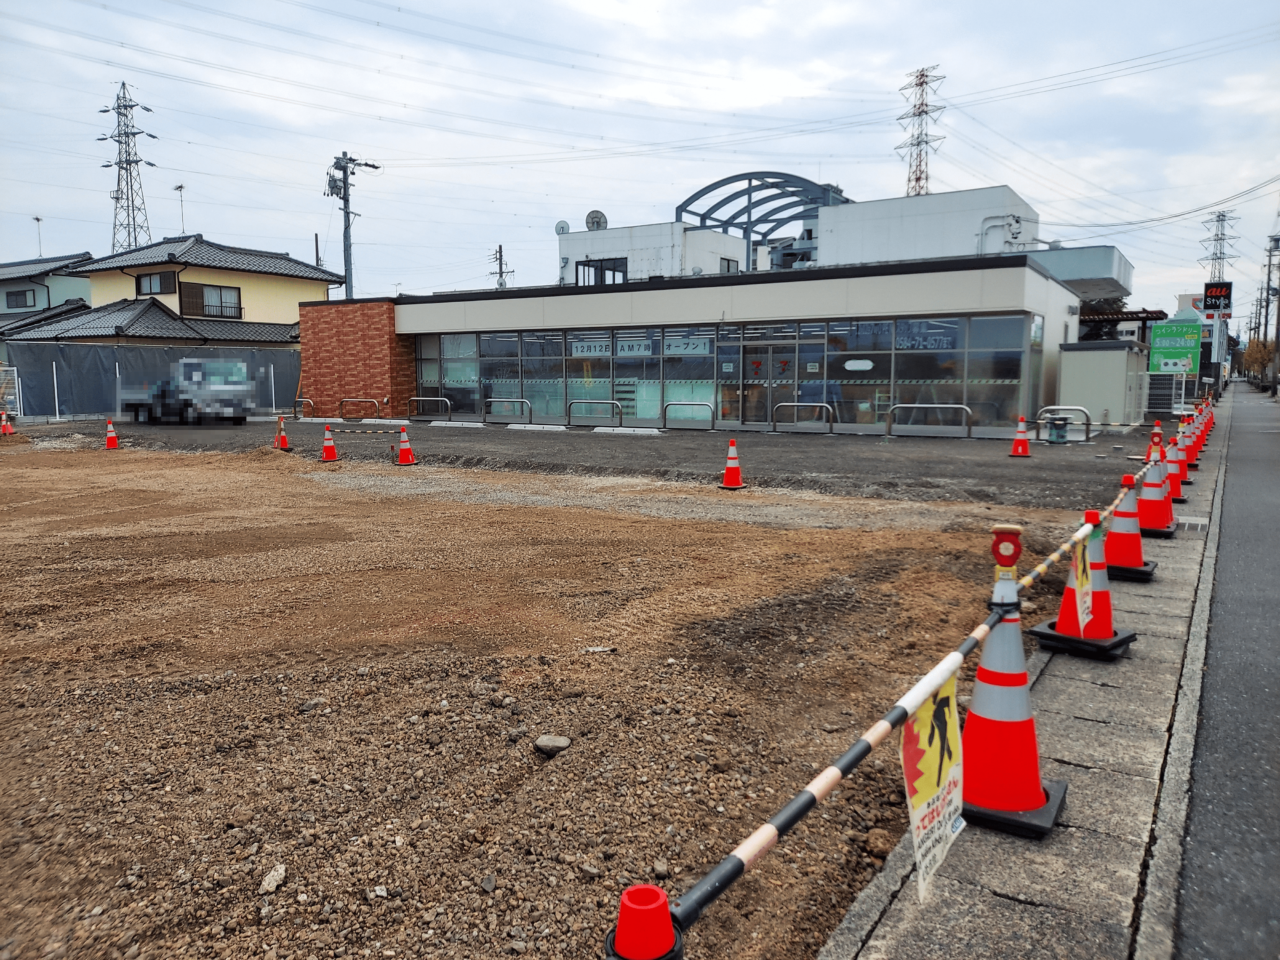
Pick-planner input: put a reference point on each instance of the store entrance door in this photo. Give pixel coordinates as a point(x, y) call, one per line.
point(768, 378)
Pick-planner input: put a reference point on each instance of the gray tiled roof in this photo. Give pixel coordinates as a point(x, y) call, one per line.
point(194, 250)
point(150, 319)
point(13, 322)
point(21, 269)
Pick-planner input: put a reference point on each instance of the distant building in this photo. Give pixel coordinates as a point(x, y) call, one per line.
point(33, 285)
point(198, 279)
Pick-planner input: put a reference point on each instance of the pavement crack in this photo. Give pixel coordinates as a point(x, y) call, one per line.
point(1023, 900)
point(1069, 763)
point(1105, 723)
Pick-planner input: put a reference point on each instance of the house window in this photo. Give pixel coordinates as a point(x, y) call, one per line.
point(16, 299)
point(150, 284)
point(728, 266)
point(598, 273)
point(206, 300)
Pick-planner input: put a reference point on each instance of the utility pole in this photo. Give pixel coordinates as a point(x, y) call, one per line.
point(503, 271)
point(917, 120)
point(340, 187)
point(39, 239)
point(130, 229)
point(1273, 247)
point(182, 207)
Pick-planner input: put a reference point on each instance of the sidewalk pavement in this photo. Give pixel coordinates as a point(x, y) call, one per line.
point(1104, 883)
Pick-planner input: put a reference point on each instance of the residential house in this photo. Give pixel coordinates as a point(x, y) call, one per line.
point(33, 285)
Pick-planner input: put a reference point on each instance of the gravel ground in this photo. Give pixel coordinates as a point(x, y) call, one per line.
point(1075, 476)
point(216, 664)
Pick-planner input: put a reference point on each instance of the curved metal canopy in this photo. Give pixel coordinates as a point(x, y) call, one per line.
point(759, 203)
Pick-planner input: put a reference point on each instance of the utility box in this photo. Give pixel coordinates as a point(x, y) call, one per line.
point(1106, 377)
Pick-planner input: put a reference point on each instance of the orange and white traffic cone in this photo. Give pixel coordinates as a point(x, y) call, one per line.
point(330, 452)
point(281, 442)
point(1184, 445)
point(1084, 625)
point(406, 451)
point(113, 442)
point(6, 428)
point(1123, 546)
point(1002, 785)
point(1174, 473)
point(732, 471)
point(1021, 446)
point(1155, 512)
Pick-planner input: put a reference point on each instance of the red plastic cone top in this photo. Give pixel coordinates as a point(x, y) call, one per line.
point(1099, 626)
point(330, 452)
point(281, 442)
point(6, 428)
point(113, 442)
point(1123, 545)
point(1001, 756)
point(644, 930)
point(732, 471)
point(406, 451)
point(1021, 448)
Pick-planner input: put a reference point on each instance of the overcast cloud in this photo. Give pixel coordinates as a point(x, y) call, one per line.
point(492, 122)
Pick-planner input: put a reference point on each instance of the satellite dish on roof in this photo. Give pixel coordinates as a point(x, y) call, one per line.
point(597, 221)
point(562, 227)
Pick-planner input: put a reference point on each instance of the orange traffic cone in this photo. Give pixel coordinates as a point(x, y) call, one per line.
point(113, 442)
point(406, 451)
point(1084, 625)
point(1155, 512)
point(1021, 446)
point(1184, 445)
point(281, 442)
point(1174, 473)
point(1124, 540)
point(330, 453)
point(644, 930)
point(1002, 785)
point(732, 472)
point(6, 428)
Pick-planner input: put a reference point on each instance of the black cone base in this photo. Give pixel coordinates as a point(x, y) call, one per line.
point(1033, 824)
point(1143, 574)
point(1160, 533)
point(675, 953)
point(1179, 499)
point(1050, 639)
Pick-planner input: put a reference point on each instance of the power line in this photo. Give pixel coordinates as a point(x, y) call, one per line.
point(1217, 243)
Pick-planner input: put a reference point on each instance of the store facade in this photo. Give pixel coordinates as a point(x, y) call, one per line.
point(978, 332)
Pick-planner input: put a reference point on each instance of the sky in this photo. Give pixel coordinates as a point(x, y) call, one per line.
point(491, 122)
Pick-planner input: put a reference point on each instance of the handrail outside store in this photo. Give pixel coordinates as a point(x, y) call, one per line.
point(968, 420)
point(688, 403)
point(1088, 420)
point(445, 400)
point(831, 414)
point(304, 401)
point(612, 403)
point(377, 407)
point(484, 414)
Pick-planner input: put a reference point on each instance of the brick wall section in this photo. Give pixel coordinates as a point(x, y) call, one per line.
point(353, 350)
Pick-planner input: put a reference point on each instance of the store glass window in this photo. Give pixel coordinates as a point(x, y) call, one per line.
point(813, 331)
point(688, 341)
point(460, 372)
point(996, 333)
point(500, 344)
point(542, 370)
point(542, 343)
point(729, 332)
point(931, 335)
point(860, 335)
point(729, 381)
point(588, 370)
point(768, 331)
point(638, 342)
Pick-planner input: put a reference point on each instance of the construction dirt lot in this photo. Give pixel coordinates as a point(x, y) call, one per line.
point(214, 663)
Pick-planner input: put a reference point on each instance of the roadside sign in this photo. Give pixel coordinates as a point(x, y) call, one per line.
point(1175, 348)
point(932, 768)
point(1217, 296)
point(1084, 578)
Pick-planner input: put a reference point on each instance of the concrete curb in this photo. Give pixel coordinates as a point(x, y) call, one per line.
point(1156, 923)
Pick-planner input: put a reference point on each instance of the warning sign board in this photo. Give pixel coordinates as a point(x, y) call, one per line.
point(1084, 578)
point(932, 768)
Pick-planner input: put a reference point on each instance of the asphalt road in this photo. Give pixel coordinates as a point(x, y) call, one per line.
point(1231, 866)
point(1073, 476)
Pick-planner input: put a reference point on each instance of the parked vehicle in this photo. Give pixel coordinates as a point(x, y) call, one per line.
point(197, 392)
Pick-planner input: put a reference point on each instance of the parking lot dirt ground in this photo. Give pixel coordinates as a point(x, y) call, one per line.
point(212, 664)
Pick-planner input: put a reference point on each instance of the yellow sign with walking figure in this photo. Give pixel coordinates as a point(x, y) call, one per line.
point(932, 768)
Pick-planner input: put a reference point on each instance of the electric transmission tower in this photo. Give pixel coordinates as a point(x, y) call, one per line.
point(131, 228)
point(1217, 242)
point(340, 174)
point(916, 121)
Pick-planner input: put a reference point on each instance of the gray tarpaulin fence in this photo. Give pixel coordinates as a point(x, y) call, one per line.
point(87, 373)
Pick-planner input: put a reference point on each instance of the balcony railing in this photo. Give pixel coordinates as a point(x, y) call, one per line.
point(214, 312)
